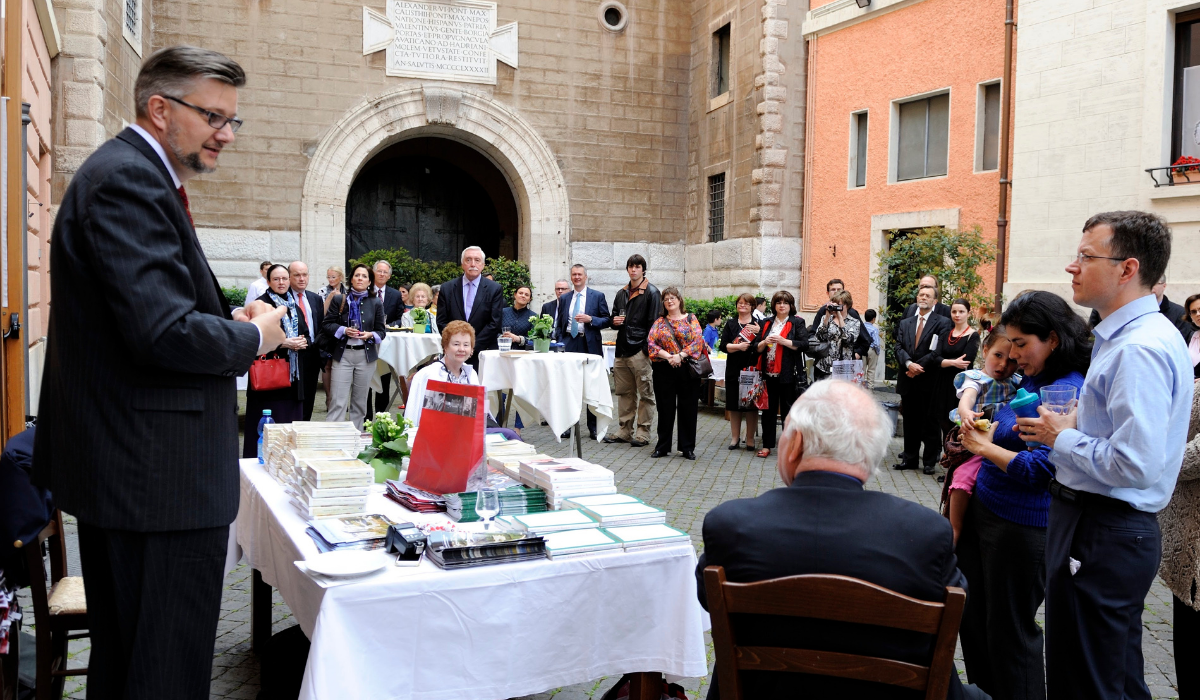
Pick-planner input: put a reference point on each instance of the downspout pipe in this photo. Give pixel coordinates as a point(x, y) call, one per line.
point(1005, 128)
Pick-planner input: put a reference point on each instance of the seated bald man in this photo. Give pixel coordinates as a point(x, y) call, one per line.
point(825, 522)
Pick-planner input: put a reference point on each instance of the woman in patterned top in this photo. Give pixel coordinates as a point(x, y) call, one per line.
point(780, 345)
point(840, 330)
point(675, 337)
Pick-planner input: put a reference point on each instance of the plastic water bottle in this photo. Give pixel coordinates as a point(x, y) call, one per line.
point(266, 418)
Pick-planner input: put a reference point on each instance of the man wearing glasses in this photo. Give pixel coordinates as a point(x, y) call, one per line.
point(137, 433)
point(1117, 459)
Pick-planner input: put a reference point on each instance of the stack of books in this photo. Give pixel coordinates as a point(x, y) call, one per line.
point(515, 499)
point(414, 498)
point(459, 550)
point(611, 499)
point(328, 487)
point(568, 543)
point(287, 464)
point(642, 536)
point(276, 437)
point(326, 436)
point(566, 477)
point(551, 521)
point(625, 514)
point(505, 455)
point(364, 532)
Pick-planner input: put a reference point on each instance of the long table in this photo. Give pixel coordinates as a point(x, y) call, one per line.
point(485, 633)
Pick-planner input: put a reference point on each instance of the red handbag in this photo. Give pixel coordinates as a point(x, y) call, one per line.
point(266, 375)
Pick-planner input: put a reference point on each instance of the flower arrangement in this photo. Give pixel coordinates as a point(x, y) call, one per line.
point(1194, 164)
point(543, 327)
point(389, 445)
point(419, 316)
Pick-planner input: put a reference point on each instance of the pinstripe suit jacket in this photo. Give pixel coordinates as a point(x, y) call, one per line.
point(137, 426)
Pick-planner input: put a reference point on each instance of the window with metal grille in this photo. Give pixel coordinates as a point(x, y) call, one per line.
point(131, 16)
point(716, 207)
point(924, 138)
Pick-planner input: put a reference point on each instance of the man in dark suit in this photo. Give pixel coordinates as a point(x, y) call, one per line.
point(473, 299)
point(916, 341)
point(938, 308)
point(825, 522)
point(137, 436)
point(313, 311)
point(393, 309)
point(561, 287)
point(581, 314)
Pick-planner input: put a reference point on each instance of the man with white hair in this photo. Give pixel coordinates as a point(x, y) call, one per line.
point(826, 522)
point(475, 299)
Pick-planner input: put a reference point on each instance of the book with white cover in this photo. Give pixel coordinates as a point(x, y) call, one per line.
point(600, 500)
point(635, 536)
point(324, 473)
point(626, 514)
point(570, 542)
point(553, 521)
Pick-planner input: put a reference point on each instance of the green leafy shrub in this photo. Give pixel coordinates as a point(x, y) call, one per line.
point(236, 296)
point(726, 305)
point(510, 274)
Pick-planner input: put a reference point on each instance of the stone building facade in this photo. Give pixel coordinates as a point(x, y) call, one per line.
point(625, 127)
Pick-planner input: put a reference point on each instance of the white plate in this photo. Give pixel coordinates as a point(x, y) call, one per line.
point(347, 564)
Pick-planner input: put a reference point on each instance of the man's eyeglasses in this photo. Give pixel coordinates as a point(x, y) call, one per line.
point(1084, 257)
point(216, 121)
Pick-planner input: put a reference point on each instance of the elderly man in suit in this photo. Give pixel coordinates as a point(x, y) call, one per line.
point(550, 308)
point(313, 309)
point(917, 339)
point(474, 299)
point(581, 314)
point(825, 522)
point(137, 437)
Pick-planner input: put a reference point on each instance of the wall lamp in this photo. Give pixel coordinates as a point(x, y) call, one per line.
point(863, 3)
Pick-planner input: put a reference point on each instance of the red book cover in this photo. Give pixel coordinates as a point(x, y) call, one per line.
point(449, 445)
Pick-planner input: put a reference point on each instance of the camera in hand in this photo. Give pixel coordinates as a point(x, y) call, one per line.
point(406, 540)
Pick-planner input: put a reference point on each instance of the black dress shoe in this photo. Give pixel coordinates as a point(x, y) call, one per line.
point(689, 455)
point(927, 469)
point(902, 466)
point(638, 443)
point(658, 453)
point(591, 436)
point(735, 445)
point(609, 439)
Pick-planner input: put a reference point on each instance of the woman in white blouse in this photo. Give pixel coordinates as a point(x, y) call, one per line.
point(458, 342)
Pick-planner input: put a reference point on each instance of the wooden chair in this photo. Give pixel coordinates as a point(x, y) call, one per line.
point(838, 598)
point(58, 611)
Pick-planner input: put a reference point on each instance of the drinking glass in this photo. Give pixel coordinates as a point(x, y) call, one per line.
point(487, 505)
point(505, 344)
point(1059, 398)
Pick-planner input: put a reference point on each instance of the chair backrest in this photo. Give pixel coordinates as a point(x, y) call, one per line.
point(840, 599)
point(36, 561)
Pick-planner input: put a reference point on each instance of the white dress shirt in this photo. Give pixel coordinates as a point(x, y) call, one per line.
point(579, 297)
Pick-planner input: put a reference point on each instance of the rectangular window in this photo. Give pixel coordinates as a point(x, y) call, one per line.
point(858, 149)
point(924, 138)
point(989, 140)
point(131, 24)
point(716, 207)
point(720, 49)
point(1185, 112)
point(131, 15)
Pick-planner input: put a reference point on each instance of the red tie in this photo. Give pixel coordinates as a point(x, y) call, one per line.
point(186, 208)
point(303, 308)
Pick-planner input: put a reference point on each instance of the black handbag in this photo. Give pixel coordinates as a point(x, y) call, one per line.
point(698, 368)
point(816, 349)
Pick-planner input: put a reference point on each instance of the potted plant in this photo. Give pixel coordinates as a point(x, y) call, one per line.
point(420, 319)
point(542, 327)
point(389, 446)
point(1184, 175)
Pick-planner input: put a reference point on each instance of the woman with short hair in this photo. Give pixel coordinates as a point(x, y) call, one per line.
point(840, 330)
point(420, 294)
point(675, 338)
point(355, 322)
point(458, 342)
point(286, 404)
point(335, 284)
point(780, 345)
point(737, 342)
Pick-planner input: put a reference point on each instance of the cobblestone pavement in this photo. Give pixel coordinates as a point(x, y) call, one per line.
point(687, 490)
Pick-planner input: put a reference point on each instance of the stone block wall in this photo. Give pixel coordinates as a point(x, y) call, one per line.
point(606, 266)
point(235, 255)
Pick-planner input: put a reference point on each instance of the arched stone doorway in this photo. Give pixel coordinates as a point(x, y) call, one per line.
point(433, 197)
point(491, 128)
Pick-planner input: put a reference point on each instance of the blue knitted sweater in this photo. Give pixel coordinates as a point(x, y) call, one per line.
point(1020, 495)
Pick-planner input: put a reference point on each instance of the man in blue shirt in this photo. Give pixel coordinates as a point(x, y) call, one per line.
point(1117, 459)
point(875, 350)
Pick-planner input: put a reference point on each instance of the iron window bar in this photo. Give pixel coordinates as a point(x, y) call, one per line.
point(1190, 172)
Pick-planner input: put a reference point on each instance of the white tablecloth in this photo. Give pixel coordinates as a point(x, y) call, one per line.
point(400, 352)
point(551, 386)
point(610, 355)
point(486, 633)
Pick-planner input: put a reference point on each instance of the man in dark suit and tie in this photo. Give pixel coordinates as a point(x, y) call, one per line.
point(313, 310)
point(917, 339)
point(550, 308)
point(581, 315)
point(825, 522)
point(137, 436)
point(474, 299)
point(393, 309)
point(938, 308)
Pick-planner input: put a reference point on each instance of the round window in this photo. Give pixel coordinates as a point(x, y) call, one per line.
point(613, 16)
